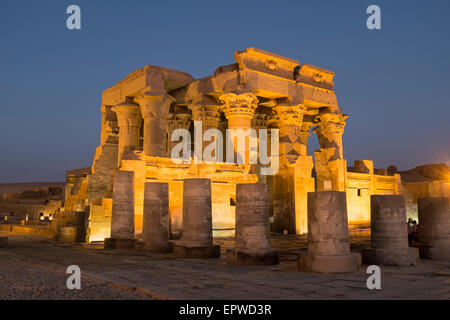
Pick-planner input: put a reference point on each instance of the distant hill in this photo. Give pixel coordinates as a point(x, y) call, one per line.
point(428, 172)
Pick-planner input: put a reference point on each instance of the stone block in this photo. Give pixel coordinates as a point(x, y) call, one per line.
point(187, 251)
point(120, 243)
point(253, 258)
point(434, 228)
point(391, 257)
point(3, 242)
point(329, 264)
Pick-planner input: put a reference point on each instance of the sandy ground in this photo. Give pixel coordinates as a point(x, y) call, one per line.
point(34, 267)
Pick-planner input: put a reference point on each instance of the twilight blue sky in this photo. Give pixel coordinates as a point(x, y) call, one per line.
point(394, 83)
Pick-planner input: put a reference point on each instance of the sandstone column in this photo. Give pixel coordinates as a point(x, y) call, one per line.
point(155, 231)
point(176, 121)
point(197, 241)
point(155, 111)
point(329, 132)
point(328, 238)
point(289, 120)
point(434, 228)
point(330, 165)
point(239, 110)
point(252, 238)
point(129, 120)
point(389, 233)
point(209, 117)
point(122, 216)
point(293, 180)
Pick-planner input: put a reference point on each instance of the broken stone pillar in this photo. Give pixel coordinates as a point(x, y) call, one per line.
point(122, 216)
point(129, 120)
point(252, 242)
point(289, 120)
point(330, 166)
point(329, 132)
point(293, 180)
point(434, 228)
point(3, 242)
point(389, 233)
point(328, 238)
point(155, 105)
point(155, 230)
point(196, 241)
point(67, 234)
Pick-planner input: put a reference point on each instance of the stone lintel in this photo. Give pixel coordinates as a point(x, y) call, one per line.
point(159, 78)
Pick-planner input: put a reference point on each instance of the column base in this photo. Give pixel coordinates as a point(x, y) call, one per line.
point(433, 253)
point(187, 251)
point(3, 242)
point(329, 264)
point(253, 258)
point(111, 243)
point(158, 248)
point(391, 257)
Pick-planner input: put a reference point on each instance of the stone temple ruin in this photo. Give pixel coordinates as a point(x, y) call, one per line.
point(136, 192)
point(260, 90)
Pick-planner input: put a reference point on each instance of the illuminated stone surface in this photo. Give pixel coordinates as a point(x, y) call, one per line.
point(252, 243)
point(197, 240)
point(328, 236)
point(260, 90)
point(155, 231)
point(122, 219)
point(434, 228)
point(389, 233)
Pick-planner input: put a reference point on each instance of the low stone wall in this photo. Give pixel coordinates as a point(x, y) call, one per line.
point(33, 230)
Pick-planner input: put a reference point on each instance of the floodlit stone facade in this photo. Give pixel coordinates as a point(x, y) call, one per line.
point(261, 90)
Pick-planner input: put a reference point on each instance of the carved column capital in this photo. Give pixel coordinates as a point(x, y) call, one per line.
point(288, 115)
point(330, 128)
point(331, 123)
point(239, 105)
point(208, 114)
point(178, 121)
point(259, 121)
point(128, 114)
point(154, 104)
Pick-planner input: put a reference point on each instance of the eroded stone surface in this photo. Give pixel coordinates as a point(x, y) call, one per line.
point(155, 230)
point(389, 233)
point(328, 236)
point(434, 228)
